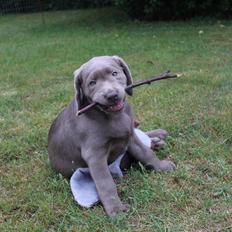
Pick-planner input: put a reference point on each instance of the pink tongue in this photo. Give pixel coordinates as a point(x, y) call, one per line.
point(116, 107)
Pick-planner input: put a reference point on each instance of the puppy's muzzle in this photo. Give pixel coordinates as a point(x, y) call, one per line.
point(112, 97)
point(113, 101)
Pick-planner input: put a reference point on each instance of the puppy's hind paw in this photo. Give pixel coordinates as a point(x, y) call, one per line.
point(160, 133)
point(157, 143)
point(165, 166)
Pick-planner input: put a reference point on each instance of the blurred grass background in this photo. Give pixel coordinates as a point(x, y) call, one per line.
point(38, 54)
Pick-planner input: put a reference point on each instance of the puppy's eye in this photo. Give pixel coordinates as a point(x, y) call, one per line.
point(92, 83)
point(114, 73)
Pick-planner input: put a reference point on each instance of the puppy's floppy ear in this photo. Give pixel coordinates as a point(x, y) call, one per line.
point(127, 72)
point(79, 95)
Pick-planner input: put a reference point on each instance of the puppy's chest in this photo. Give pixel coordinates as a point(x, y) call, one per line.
point(119, 139)
point(120, 129)
point(121, 133)
point(117, 147)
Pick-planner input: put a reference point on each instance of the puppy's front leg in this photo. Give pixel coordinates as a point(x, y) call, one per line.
point(105, 185)
point(146, 156)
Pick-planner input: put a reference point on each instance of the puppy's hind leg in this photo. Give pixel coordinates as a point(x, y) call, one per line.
point(145, 155)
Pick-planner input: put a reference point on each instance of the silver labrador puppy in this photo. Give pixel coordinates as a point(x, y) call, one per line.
point(97, 137)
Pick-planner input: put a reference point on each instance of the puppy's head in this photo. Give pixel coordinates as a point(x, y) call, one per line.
point(103, 80)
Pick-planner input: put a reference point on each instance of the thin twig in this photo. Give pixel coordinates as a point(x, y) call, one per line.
point(163, 76)
point(88, 107)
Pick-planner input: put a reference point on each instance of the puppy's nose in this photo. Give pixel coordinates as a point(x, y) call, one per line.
point(112, 96)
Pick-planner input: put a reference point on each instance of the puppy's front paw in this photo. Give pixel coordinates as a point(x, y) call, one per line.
point(115, 210)
point(165, 166)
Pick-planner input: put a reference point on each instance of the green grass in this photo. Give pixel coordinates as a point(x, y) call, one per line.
point(36, 64)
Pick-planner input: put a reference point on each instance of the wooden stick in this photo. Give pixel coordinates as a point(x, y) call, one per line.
point(163, 76)
point(83, 110)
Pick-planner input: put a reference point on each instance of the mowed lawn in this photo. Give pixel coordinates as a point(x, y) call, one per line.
point(38, 54)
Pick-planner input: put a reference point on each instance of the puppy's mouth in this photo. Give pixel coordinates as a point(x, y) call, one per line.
point(116, 107)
